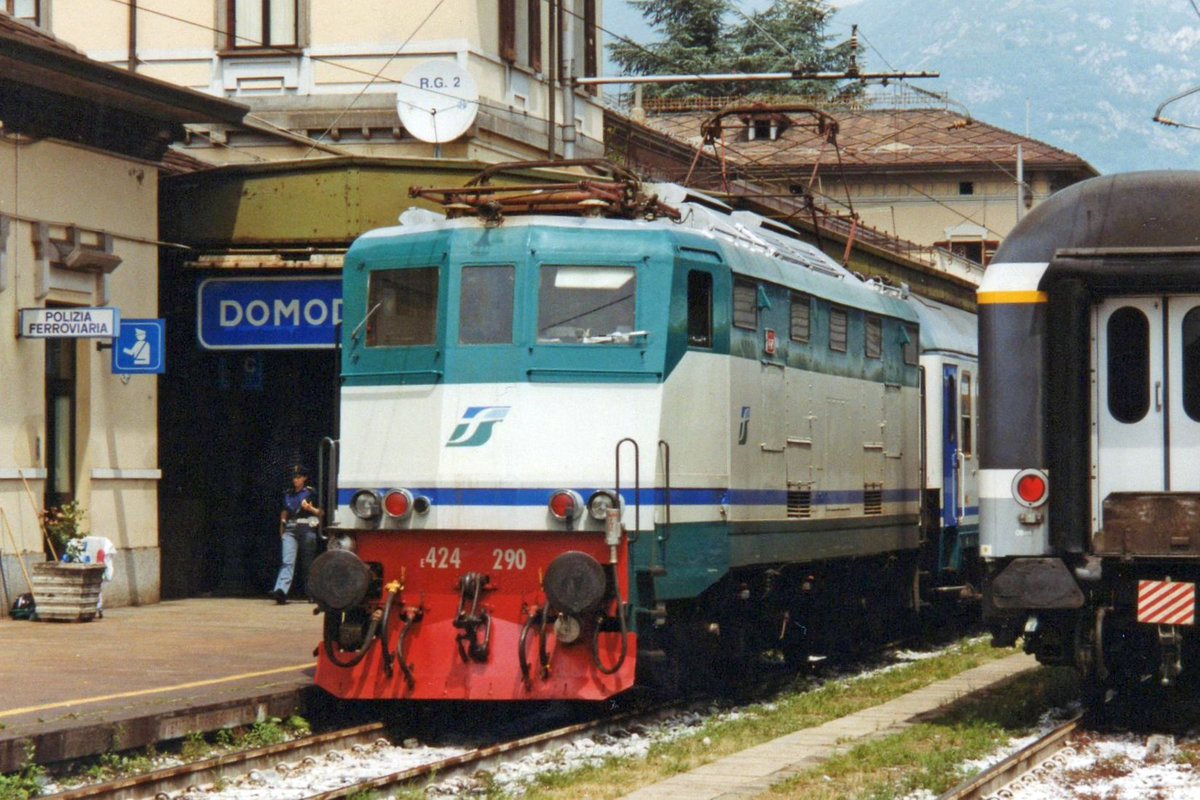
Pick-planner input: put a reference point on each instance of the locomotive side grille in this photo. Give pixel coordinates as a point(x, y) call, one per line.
point(872, 499)
point(799, 503)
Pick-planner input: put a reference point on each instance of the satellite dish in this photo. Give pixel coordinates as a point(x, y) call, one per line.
point(437, 101)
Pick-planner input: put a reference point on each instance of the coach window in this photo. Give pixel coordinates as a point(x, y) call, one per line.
point(586, 303)
point(699, 331)
point(1191, 363)
point(964, 412)
point(874, 347)
point(745, 305)
point(838, 323)
point(801, 317)
point(485, 305)
point(402, 307)
point(1128, 365)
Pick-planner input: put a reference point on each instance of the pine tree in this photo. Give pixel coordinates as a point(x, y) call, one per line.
point(706, 36)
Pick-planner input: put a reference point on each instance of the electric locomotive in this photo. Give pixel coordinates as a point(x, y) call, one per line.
point(1089, 325)
point(597, 432)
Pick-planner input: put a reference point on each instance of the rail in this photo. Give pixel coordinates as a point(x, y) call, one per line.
point(1026, 760)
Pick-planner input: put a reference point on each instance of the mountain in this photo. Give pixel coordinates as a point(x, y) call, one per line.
point(1086, 77)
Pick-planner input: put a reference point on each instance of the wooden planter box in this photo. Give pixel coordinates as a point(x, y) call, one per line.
point(66, 591)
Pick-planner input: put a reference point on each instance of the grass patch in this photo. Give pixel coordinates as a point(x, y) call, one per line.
point(795, 709)
point(929, 755)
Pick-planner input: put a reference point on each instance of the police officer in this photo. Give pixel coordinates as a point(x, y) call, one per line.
point(298, 520)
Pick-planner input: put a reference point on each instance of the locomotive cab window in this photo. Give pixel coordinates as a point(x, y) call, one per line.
point(1128, 365)
point(402, 307)
point(587, 304)
point(699, 299)
point(485, 307)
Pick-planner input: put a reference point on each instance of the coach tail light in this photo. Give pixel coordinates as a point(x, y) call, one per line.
point(1030, 487)
point(565, 505)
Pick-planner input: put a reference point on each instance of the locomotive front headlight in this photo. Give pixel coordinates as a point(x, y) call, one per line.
point(398, 503)
point(565, 504)
point(1030, 487)
point(600, 502)
point(366, 505)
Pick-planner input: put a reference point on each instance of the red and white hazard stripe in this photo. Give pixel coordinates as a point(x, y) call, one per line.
point(1166, 602)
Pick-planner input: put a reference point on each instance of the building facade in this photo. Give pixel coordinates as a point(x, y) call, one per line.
point(325, 78)
point(79, 147)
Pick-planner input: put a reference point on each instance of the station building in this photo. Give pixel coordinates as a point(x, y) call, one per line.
point(80, 144)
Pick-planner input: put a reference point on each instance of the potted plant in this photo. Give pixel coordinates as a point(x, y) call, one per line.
point(66, 589)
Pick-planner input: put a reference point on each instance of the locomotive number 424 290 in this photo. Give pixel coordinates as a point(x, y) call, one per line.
point(447, 557)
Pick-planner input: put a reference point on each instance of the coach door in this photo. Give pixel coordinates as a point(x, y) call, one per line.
point(1147, 395)
point(951, 454)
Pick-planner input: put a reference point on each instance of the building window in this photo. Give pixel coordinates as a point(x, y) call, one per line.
point(521, 33)
point(745, 305)
point(262, 23)
point(801, 317)
point(699, 332)
point(874, 337)
point(966, 187)
point(978, 250)
point(24, 10)
point(838, 324)
point(485, 307)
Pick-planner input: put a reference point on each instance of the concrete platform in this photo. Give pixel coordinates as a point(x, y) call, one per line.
point(752, 771)
point(147, 673)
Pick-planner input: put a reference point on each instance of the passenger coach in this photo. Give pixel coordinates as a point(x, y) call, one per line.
point(1089, 321)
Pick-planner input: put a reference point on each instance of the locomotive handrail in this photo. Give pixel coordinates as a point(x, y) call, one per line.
point(637, 486)
point(665, 450)
point(327, 456)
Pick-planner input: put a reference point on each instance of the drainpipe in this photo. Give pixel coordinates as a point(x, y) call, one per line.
point(568, 87)
point(133, 60)
point(1020, 184)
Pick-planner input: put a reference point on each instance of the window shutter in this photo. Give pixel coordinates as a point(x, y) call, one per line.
point(508, 30)
point(535, 35)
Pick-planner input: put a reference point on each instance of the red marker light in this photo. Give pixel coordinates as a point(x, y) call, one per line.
point(564, 504)
point(1031, 488)
point(397, 503)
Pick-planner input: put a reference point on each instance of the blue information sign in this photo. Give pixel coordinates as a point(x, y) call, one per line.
point(140, 347)
point(268, 313)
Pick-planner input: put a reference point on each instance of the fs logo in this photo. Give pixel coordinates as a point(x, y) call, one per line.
point(475, 426)
point(744, 428)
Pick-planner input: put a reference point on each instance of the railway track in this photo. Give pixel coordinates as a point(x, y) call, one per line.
point(992, 781)
point(291, 757)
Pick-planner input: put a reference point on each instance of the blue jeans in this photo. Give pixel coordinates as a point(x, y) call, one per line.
point(297, 540)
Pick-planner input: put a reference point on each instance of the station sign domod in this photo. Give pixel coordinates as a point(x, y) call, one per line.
point(69, 323)
point(268, 313)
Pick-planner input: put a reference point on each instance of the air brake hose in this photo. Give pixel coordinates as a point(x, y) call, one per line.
point(384, 653)
point(624, 639)
point(523, 659)
point(361, 652)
